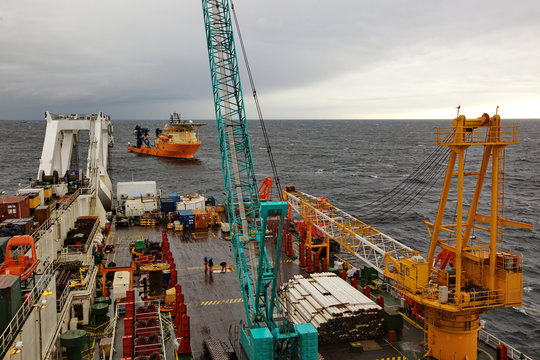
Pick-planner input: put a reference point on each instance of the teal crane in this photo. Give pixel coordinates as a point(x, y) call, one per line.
point(266, 334)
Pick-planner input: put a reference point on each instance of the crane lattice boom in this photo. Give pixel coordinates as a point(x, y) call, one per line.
point(362, 240)
point(257, 274)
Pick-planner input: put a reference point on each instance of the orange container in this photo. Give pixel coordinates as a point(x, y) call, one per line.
point(201, 219)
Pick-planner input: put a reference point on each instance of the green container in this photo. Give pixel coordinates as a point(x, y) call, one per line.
point(10, 299)
point(393, 320)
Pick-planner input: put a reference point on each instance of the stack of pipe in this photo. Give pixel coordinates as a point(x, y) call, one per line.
point(338, 311)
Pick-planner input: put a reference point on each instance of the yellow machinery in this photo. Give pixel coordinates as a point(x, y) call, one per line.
point(484, 274)
point(213, 217)
point(82, 282)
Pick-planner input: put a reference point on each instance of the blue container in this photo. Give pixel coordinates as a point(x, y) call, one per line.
point(187, 218)
point(175, 197)
point(168, 205)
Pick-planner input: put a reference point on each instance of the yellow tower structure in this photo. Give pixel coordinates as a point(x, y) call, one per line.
point(484, 274)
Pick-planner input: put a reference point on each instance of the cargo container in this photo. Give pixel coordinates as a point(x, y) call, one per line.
point(33, 200)
point(201, 219)
point(136, 189)
point(167, 205)
point(26, 226)
point(42, 213)
point(137, 207)
point(187, 218)
point(14, 207)
point(175, 197)
point(39, 191)
point(47, 192)
point(10, 299)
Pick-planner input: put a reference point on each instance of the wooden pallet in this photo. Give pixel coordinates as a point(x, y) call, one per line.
point(147, 222)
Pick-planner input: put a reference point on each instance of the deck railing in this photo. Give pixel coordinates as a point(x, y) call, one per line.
point(477, 135)
point(492, 341)
point(42, 229)
point(31, 298)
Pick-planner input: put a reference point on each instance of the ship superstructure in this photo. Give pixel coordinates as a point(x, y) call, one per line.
point(43, 306)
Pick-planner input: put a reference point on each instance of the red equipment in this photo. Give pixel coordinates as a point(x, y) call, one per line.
point(264, 189)
point(20, 264)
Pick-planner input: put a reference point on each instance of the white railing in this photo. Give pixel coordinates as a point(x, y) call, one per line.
point(492, 341)
point(16, 324)
point(38, 233)
point(61, 301)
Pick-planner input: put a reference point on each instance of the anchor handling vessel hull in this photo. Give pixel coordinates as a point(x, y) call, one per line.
point(179, 151)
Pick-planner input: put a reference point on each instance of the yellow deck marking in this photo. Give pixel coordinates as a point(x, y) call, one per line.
point(221, 302)
point(393, 347)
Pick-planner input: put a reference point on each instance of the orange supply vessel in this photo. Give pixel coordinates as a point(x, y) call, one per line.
point(179, 139)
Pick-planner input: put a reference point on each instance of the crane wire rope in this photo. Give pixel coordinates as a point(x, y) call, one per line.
point(257, 105)
point(412, 189)
point(261, 120)
point(434, 158)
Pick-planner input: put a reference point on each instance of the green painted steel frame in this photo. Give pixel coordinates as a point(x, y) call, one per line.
point(260, 297)
point(233, 140)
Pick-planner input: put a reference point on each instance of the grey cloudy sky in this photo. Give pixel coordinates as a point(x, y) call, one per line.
point(311, 59)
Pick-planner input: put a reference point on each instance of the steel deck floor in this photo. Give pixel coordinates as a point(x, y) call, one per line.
point(214, 303)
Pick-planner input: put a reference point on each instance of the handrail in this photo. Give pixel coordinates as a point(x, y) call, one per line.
point(492, 341)
point(16, 324)
point(483, 335)
point(477, 135)
point(38, 233)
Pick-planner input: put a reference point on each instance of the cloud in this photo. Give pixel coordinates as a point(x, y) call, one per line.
point(310, 59)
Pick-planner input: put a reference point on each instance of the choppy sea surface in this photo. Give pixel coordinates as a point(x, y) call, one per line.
point(351, 163)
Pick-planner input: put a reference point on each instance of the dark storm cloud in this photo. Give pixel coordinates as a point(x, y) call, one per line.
point(311, 59)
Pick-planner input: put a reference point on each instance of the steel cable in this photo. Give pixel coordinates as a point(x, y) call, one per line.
point(257, 105)
point(412, 189)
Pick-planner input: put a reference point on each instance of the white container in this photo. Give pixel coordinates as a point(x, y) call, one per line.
point(121, 283)
point(137, 207)
point(136, 189)
point(443, 294)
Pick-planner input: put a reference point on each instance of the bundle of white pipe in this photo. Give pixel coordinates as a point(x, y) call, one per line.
point(338, 311)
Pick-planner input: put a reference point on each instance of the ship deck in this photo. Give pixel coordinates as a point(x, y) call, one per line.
point(215, 306)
